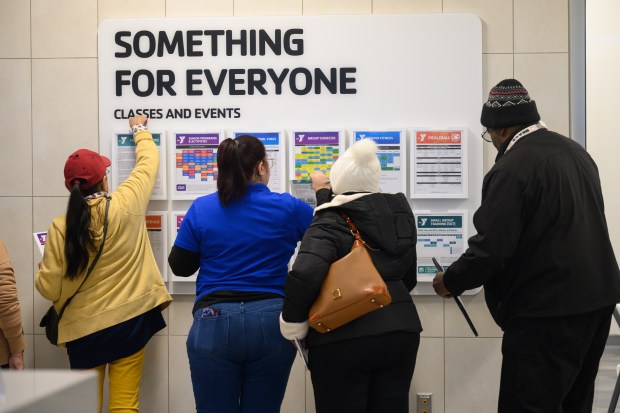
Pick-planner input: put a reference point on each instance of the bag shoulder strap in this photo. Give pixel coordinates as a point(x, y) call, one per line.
point(356, 233)
point(92, 265)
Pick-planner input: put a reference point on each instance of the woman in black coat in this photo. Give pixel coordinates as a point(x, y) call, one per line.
point(366, 365)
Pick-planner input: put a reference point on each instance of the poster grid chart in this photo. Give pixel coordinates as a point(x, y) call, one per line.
point(274, 146)
point(176, 218)
point(392, 154)
point(193, 164)
point(439, 163)
point(157, 229)
point(124, 160)
point(313, 151)
point(441, 235)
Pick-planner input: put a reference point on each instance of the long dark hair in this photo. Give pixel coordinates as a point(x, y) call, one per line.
point(237, 161)
point(77, 237)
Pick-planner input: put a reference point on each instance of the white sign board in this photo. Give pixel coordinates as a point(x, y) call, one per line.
point(296, 73)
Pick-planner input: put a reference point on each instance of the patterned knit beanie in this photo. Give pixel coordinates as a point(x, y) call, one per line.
point(509, 104)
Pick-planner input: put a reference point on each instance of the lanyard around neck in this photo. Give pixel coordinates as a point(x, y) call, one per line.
point(524, 132)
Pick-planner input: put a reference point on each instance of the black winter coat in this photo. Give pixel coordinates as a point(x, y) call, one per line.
point(386, 223)
point(542, 247)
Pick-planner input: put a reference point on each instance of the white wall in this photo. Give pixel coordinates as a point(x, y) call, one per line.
point(48, 108)
point(603, 102)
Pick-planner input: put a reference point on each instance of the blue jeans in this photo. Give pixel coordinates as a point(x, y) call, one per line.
point(238, 359)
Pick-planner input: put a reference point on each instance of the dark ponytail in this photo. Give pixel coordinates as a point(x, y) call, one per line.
point(77, 238)
point(237, 162)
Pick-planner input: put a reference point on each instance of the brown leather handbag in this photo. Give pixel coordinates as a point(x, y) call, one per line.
point(353, 287)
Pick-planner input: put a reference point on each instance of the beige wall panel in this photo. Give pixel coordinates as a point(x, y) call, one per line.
point(337, 6)
point(180, 314)
point(267, 7)
point(154, 385)
point(406, 6)
point(65, 28)
point(29, 352)
point(541, 26)
point(456, 325)
point(296, 388)
point(497, 21)
point(51, 105)
point(545, 76)
point(180, 381)
point(473, 367)
point(49, 356)
point(431, 311)
point(64, 110)
point(124, 9)
point(16, 233)
point(14, 29)
point(199, 8)
point(16, 121)
point(428, 376)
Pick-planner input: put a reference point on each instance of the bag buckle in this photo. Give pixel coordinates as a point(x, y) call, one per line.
point(336, 294)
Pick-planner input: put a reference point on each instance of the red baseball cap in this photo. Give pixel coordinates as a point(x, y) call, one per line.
point(86, 167)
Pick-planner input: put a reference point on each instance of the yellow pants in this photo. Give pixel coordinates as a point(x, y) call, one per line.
point(124, 378)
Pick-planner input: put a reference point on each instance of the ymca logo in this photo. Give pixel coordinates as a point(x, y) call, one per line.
point(181, 139)
point(123, 139)
point(300, 138)
point(422, 137)
point(422, 221)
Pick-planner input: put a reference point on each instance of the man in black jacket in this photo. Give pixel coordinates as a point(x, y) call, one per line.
point(543, 255)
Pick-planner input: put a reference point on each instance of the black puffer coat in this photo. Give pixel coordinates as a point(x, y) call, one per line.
point(386, 223)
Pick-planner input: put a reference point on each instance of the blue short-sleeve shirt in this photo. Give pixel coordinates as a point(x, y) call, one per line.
point(244, 246)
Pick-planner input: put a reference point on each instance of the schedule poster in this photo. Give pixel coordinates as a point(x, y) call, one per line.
point(124, 160)
point(314, 152)
point(274, 146)
point(176, 218)
point(193, 164)
point(39, 239)
point(440, 235)
point(391, 148)
point(156, 227)
point(439, 164)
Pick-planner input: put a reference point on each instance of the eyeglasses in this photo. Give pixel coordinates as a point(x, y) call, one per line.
point(484, 132)
point(268, 162)
point(107, 171)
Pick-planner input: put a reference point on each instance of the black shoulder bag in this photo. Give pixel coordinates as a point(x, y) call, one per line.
point(51, 319)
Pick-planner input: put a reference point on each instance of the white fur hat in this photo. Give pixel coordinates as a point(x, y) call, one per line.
point(357, 170)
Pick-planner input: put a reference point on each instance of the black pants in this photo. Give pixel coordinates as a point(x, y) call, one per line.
point(550, 364)
point(365, 375)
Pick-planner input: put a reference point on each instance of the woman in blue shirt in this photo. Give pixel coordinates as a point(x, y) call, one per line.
point(241, 240)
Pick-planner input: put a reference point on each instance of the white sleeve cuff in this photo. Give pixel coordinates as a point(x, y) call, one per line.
point(292, 331)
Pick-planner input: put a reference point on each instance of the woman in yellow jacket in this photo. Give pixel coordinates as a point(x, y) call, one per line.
point(117, 309)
